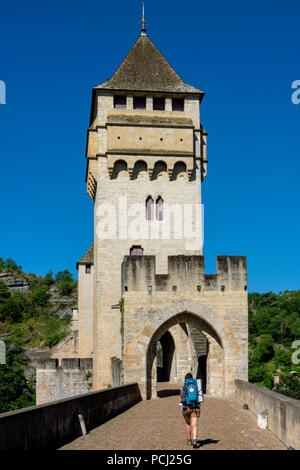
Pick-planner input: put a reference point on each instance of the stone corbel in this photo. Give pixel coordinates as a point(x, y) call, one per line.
point(150, 171)
point(130, 172)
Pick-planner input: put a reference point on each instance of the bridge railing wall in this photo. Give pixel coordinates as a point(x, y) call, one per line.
point(283, 412)
point(49, 425)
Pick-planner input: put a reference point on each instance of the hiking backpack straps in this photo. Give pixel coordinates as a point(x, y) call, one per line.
point(192, 392)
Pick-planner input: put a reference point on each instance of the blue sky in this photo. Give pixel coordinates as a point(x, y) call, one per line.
point(244, 55)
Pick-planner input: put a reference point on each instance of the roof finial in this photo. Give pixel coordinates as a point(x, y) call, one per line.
point(143, 22)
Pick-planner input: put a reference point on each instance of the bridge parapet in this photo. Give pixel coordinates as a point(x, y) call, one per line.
point(283, 413)
point(49, 425)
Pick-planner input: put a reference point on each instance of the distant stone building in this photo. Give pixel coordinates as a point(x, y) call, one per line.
point(139, 287)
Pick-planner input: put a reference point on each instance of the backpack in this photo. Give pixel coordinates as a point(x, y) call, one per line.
point(192, 392)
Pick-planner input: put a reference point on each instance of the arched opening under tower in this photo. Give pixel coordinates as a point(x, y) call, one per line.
point(160, 170)
point(120, 170)
point(205, 358)
point(140, 170)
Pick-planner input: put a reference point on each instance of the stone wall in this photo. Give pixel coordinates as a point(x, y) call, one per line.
point(48, 426)
point(283, 413)
point(109, 254)
point(85, 310)
point(55, 382)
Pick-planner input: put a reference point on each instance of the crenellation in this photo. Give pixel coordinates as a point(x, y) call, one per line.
point(185, 273)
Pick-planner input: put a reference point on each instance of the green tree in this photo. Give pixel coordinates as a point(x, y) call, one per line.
point(256, 372)
point(12, 309)
point(65, 282)
point(48, 279)
point(63, 276)
point(295, 329)
point(41, 296)
point(281, 357)
point(54, 331)
point(11, 265)
point(4, 291)
point(290, 386)
point(15, 391)
point(264, 350)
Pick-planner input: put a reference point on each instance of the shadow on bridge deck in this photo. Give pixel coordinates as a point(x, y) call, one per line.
point(167, 389)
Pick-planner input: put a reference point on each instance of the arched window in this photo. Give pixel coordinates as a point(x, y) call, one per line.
point(159, 208)
point(149, 208)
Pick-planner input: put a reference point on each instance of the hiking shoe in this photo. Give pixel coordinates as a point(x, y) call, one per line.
point(195, 443)
point(189, 442)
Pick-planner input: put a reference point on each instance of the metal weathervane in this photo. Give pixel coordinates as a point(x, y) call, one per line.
point(143, 22)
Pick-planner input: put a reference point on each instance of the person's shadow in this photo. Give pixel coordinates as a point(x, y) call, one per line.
point(206, 442)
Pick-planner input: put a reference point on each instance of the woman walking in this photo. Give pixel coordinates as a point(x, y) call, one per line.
point(191, 398)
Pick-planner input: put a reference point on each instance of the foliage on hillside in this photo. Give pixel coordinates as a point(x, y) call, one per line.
point(35, 319)
point(274, 324)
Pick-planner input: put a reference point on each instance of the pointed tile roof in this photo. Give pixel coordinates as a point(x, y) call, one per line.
point(88, 257)
point(145, 69)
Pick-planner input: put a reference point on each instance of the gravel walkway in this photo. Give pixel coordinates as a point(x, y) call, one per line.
point(159, 425)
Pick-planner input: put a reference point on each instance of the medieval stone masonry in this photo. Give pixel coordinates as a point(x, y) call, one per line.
point(146, 309)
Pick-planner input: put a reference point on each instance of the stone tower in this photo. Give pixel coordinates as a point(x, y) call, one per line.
point(142, 284)
point(145, 146)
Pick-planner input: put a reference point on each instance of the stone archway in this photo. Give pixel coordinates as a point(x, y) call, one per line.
point(227, 351)
point(215, 376)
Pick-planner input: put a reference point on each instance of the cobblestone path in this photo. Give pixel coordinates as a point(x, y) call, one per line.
point(159, 425)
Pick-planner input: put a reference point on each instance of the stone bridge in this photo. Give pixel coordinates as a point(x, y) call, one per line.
point(159, 425)
point(118, 419)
